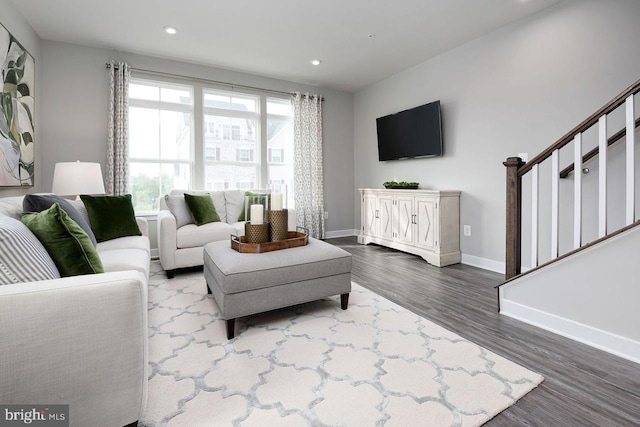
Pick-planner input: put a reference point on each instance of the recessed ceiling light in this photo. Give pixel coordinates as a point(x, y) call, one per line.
point(371, 35)
point(170, 30)
point(316, 62)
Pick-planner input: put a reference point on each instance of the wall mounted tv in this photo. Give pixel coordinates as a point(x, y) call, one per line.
point(416, 132)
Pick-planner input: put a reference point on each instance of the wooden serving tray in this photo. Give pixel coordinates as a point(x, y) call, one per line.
point(295, 239)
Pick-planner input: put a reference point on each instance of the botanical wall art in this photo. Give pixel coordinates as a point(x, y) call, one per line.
point(16, 112)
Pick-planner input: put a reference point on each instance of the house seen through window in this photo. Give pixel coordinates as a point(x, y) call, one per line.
point(244, 141)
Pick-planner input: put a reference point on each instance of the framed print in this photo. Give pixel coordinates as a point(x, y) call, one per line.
point(17, 105)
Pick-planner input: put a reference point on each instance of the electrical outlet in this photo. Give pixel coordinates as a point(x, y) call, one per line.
point(524, 157)
point(467, 230)
point(326, 215)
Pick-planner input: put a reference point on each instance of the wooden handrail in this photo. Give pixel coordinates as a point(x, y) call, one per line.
point(591, 154)
point(582, 127)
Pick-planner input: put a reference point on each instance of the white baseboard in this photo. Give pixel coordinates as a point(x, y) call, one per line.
point(611, 343)
point(340, 233)
point(484, 263)
point(155, 253)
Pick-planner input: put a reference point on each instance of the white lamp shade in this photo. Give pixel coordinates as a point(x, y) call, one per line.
point(75, 178)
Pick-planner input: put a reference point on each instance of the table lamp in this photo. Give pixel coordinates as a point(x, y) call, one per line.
point(75, 178)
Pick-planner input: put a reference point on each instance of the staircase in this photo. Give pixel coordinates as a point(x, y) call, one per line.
point(572, 235)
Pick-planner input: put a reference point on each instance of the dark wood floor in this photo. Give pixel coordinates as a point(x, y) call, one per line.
point(582, 387)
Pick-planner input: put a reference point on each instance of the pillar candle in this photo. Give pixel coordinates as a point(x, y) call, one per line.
point(276, 201)
point(257, 214)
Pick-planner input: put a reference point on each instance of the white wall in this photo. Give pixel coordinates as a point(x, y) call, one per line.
point(515, 90)
point(74, 114)
point(15, 23)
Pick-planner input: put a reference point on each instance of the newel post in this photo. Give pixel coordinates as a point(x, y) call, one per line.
point(514, 217)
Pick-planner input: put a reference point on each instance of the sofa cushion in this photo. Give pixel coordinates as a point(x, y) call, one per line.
point(125, 259)
point(127, 242)
point(201, 208)
point(65, 241)
point(111, 216)
point(22, 256)
point(191, 236)
point(40, 202)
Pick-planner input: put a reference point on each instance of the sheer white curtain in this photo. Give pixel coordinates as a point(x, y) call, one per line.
point(308, 175)
point(117, 173)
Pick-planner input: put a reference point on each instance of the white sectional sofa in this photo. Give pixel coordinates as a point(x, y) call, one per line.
point(181, 247)
point(80, 340)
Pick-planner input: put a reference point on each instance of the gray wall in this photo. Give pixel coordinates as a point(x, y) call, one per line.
point(515, 90)
point(74, 114)
point(22, 31)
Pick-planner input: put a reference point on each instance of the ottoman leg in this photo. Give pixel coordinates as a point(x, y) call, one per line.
point(344, 301)
point(231, 323)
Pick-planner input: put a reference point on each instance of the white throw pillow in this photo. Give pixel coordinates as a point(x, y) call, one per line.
point(219, 203)
point(22, 256)
point(178, 208)
point(234, 203)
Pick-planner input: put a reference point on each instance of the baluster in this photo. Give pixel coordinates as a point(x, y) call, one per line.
point(630, 217)
point(534, 216)
point(602, 177)
point(555, 185)
point(577, 191)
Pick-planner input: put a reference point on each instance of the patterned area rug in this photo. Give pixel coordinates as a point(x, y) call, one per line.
point(374, 364)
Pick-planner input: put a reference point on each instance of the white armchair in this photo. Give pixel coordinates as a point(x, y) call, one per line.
point(182, 247)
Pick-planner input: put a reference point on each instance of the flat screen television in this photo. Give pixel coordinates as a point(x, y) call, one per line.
point(416, 132)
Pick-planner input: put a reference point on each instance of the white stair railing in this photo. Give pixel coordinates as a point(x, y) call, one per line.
point(516, 170)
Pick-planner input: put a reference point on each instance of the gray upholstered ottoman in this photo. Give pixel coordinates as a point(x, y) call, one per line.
point(244, 284)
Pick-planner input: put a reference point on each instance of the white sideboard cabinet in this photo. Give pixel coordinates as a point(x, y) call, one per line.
point(421, 222)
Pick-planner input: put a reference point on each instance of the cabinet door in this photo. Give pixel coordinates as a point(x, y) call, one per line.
point(385, 217)
point(370, 214)
point(405, 220)
point(426, 223)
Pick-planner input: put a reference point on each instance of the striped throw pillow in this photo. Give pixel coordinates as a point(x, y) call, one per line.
point(22, 256)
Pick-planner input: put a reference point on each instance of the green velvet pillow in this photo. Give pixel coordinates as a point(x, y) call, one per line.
point(111, 216)
point(66, 242)
point(201, 208)
point(254, 199)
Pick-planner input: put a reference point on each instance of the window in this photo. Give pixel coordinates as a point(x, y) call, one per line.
point(212, 153)
point(160, 140)
point(244, 185)
point(243, 141)
point(276, 155)
point(244, 155)
point(280, 147)
point(238, 116)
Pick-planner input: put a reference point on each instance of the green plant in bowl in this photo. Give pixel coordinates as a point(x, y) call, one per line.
point(401, 185)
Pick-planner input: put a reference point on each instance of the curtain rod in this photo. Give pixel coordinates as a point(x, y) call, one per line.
point(183, 77)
